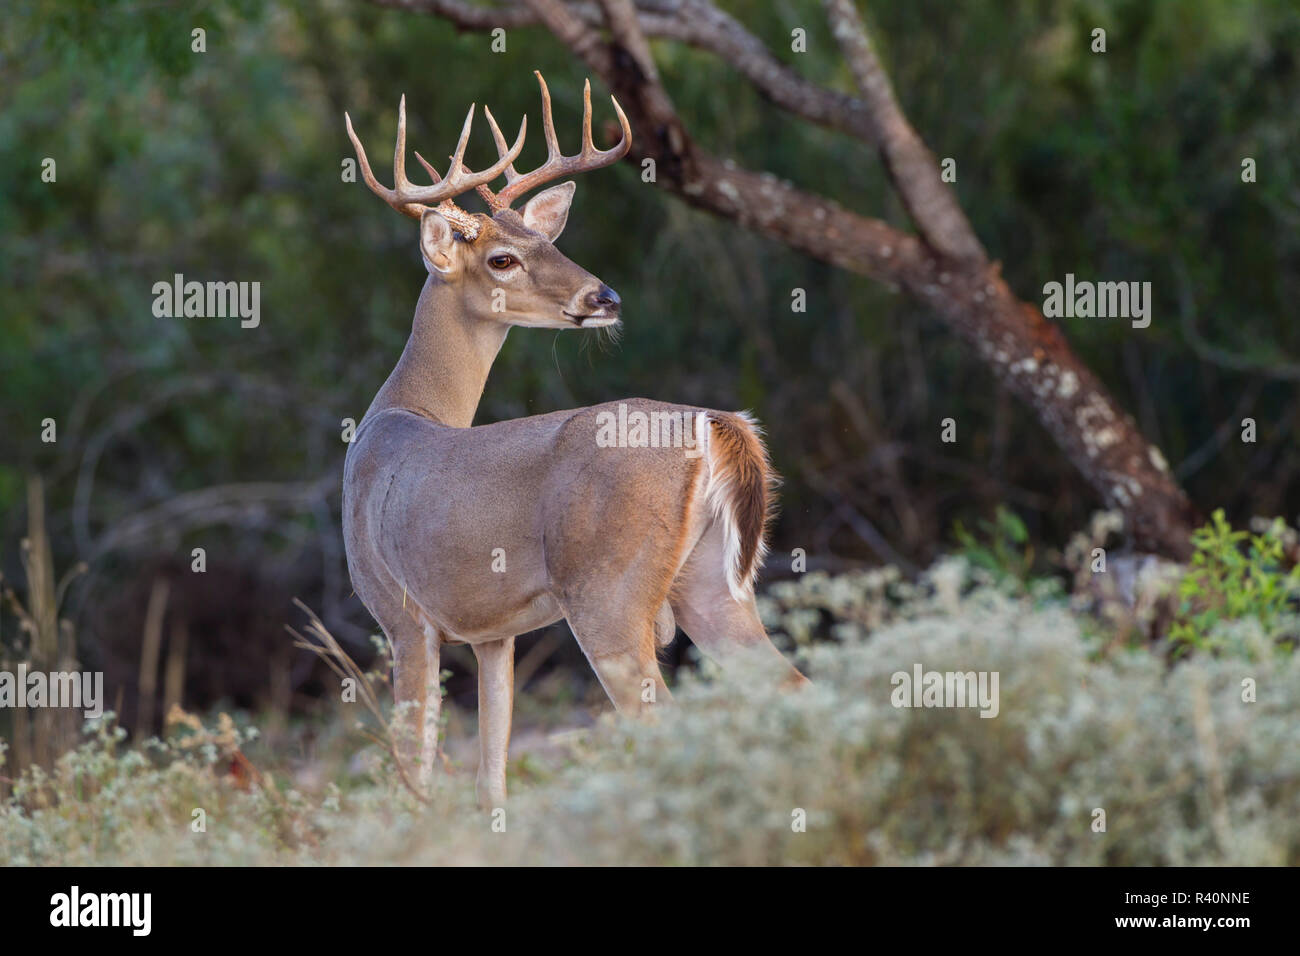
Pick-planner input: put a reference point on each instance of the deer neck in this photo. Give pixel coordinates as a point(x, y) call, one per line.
point(446, 361)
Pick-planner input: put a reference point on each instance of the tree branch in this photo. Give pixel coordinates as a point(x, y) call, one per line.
point(697, 24)
point(701, 25)
point(468, 16)
point(929, 201)
point(219, 504)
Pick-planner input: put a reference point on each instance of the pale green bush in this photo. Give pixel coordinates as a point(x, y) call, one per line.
point(1185, 770)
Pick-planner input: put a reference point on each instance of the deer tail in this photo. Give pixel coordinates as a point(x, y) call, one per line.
point(741, 494)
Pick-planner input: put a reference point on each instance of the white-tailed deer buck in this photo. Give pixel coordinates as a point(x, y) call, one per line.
point(475, 535)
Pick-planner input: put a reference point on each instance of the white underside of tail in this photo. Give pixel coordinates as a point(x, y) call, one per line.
point(719, 495)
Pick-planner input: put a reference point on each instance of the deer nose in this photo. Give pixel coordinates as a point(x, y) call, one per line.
point(604, 299)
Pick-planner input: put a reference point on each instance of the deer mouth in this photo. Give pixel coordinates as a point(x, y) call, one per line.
point(592, 320)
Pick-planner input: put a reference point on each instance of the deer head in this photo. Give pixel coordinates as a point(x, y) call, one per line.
point(505, 266)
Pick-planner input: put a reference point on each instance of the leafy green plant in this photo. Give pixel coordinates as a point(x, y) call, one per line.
point(1241, 592)
point(1001, 546)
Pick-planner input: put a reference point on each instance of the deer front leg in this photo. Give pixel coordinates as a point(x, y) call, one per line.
point(411, 696)
point(417, 690)
point(496, 696)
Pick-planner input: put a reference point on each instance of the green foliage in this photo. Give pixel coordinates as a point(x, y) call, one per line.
point(1001, 547)
point(1240, 594)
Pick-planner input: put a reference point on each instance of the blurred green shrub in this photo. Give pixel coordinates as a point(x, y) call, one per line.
point(1240, 593)
point(1001, 547)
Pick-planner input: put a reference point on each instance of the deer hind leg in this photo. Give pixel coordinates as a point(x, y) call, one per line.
point(724, 628)
point(496, 694)
point(620, 644)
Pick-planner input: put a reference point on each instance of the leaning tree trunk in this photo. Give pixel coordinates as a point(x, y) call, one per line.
point(944, 265)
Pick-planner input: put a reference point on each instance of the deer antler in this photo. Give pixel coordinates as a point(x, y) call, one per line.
point(412, 200)
point(557, 164)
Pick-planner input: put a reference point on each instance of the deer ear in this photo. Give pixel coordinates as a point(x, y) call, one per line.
point(436, 241)
point(548, 211)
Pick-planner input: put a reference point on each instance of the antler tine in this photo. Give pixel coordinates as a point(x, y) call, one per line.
point(380, 190)
point(586, 118)
point(412, 200)
point(433, 173)
point(557, 164)
point(489, 197)
point(625, 132)
point(399, 150)
point(456, 169)
point(511, 173)
point(548, 120)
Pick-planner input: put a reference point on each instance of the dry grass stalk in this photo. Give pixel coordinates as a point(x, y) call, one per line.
point(325, 646)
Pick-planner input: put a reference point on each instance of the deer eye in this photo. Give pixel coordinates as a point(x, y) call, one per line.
point(502, 261)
